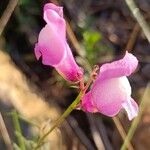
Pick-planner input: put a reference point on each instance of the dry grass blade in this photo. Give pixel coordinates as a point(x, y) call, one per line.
point(7, 13)
point(82, 136)
point(139, 18)
point(122, 132)
point(102, 129)
point(133, 37)
point(96, 136)
point(144, 102)
point(72, 36)
point(74, 40)
point(4, 133)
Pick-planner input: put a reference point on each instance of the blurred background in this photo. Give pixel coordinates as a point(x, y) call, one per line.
point(33, 95)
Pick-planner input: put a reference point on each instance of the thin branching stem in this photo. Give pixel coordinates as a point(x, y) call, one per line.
point(60, 119)
point(70, 108)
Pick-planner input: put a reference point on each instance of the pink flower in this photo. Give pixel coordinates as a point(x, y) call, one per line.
point(111, 91)
point(53, 47)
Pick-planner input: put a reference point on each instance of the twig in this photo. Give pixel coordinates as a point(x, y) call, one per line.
point(132, 38)
point(136, 121)
point(7, 13)
point(72, 36)
point(4, 133)
point(96, 136)
point(122, 131)
point(74, 40)
point(139, 18)
point(81, 135)
point(102, 129)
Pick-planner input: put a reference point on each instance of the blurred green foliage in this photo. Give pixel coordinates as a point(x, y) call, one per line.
point(90, 42)
point(94, 46)
point(22, 142)
point(93, 41)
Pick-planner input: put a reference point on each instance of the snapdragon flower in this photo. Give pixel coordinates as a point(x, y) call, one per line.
point(52, 45)
point(111, 91)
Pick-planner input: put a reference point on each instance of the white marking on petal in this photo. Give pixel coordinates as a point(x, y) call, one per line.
point(131, 108)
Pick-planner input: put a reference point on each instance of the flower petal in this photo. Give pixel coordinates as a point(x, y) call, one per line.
point(57, 9)
point(53, 47)
point(123, 67)
point(68, 67)
point(50, 46)
point(87, 104)
point(131, 107)
point(111, 91)
point(109, 95)
point(54, 19)
point(37, 51)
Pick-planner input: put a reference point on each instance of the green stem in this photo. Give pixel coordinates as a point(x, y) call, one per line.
point(18, 129)
point(60, 119)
